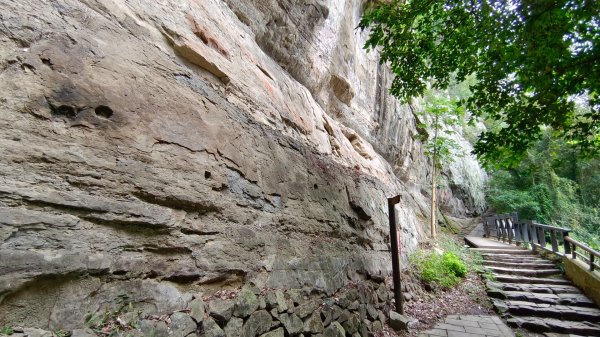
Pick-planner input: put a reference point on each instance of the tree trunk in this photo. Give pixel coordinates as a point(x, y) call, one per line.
point(433, 178)
point(433, 201)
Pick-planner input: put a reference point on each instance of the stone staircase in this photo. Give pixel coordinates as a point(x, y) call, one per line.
point(530, 293)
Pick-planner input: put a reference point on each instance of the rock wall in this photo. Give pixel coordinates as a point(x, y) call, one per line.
point(169, 148)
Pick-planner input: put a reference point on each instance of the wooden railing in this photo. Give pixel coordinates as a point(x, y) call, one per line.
point(508, 228)
point(501, 226)
point(590, 256)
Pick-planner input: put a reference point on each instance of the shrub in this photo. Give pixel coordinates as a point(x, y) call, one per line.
point(454, 264)
point(439, 270)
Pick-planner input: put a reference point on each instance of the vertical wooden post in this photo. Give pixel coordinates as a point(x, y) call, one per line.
point(433, 202)
point(499, 231)
point(525, 232)
point(554, 241)
point(542, 237)
point(395, 255)
point(534, 233)
point(510, 227)
point(567, 243)
point(592, 256)
point(518, 238)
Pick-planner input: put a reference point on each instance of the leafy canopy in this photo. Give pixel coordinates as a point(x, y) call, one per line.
point(552, 185)
point(532, 59)
point(443, 116)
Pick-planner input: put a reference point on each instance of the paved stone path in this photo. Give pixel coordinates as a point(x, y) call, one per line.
point(530, 292)
point(469, 326)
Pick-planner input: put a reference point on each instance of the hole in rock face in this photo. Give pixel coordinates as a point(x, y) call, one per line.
point(103, 111)
point(47, 62)
point(315, 186)
point(66, 110)
point(207, 175)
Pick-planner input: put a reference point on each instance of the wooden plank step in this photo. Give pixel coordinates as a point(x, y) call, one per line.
point(535, 288)
point(524, 272)
point(522, 265)
point(541, 325)
point(564, 312)
point(530, 280)
point(575, 300)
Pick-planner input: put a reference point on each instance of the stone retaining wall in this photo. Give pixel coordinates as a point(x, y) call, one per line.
point(359, 309)
point(578, 272)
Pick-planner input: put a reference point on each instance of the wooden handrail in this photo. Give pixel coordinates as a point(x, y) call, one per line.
point(552, 227)
point(593, 254)
point(582, 246)
point(508, 228)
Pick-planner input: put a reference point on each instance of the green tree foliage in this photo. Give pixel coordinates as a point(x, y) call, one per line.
point(531, 58)
point(443, 116)
point(552, 185)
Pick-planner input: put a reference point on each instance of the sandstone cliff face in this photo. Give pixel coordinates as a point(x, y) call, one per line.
point(169, 148)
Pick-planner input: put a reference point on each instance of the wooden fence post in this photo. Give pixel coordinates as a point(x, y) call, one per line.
point(567, 244)
point(395, 254)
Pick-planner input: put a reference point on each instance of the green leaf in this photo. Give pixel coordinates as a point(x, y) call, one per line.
point(529, 61)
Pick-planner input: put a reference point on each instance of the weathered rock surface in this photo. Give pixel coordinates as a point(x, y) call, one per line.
point(258, 323)
point(221, 310)
point(246, 303)
point(211, 329)
point(163, 149)
point(400, 322)
point(334, 330)
point(182, 325)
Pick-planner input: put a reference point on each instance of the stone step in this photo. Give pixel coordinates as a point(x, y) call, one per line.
point(535, 288)
point(494, 261)
point(530, 280)
point(512, 258)
point(576, 300)
point(511, 251)
point(524, 272)
point(536, 324)
point(523, 265)
point(564, 312)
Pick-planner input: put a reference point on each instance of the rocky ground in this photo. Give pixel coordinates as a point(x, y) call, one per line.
point(468, 298)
